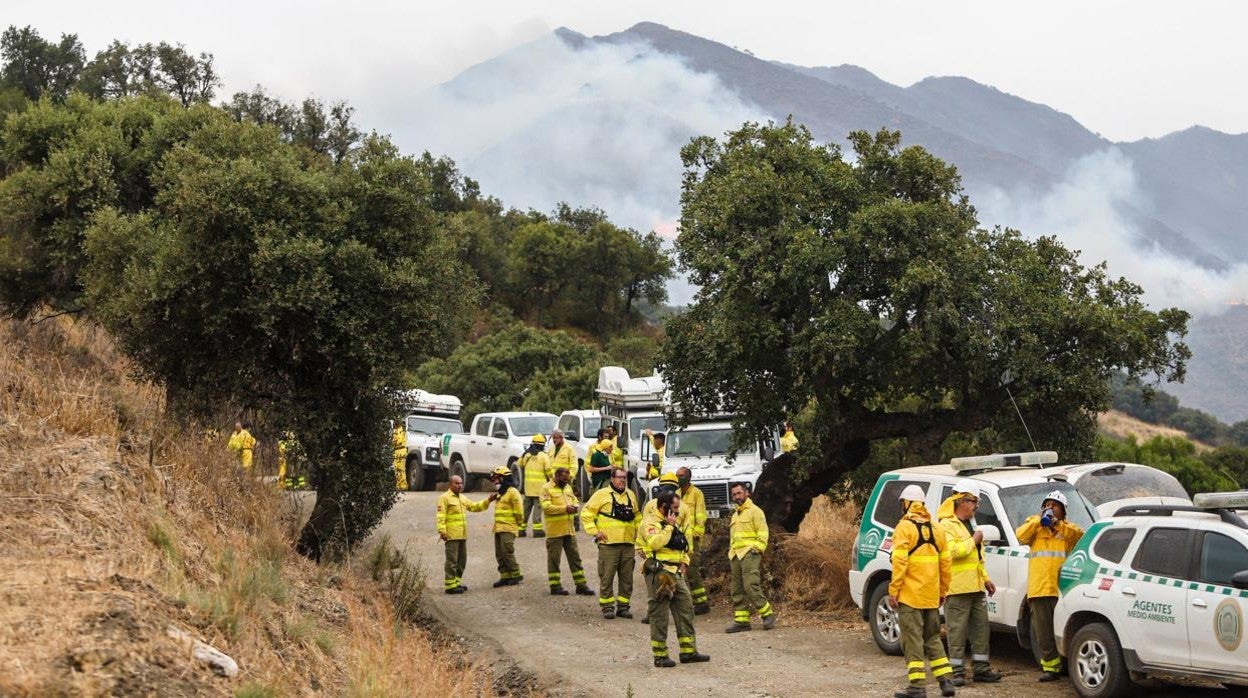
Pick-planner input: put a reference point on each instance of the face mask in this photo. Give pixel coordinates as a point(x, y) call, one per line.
point(684, 481)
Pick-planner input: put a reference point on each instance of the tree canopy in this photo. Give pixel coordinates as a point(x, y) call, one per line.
point(866, 288)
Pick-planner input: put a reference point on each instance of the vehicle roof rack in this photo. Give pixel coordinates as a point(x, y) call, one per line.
point(1226, 515)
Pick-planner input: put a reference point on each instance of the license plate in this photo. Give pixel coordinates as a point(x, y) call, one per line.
point(712, 513)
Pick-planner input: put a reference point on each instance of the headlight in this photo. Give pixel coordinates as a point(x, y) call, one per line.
point(433, 453)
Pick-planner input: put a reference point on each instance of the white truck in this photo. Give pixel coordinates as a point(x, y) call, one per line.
point(580, 429)
point(636, 404)
point(495, 438)
point(429, 417)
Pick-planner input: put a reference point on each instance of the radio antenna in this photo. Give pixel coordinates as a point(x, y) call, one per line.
point(1020, 417)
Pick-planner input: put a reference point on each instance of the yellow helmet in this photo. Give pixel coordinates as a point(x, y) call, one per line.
point(539, 439)
point(501, 471)
point(669, 479)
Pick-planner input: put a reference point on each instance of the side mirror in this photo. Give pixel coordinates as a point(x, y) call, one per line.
point(768, 453)
point(571, 436)
point(991, 533)
point(1239, 580)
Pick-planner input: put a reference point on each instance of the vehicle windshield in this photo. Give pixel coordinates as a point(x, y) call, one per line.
point(701, 442)
point(1122, 481)
point(636, 425)
point(432, 425)
point(1024, 501)
point(528, 426)
point(592, 425)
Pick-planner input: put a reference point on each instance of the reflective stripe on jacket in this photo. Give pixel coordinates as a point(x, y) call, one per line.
point(453, 514)
point(596, 515)
point(536, 473)
point(921, 574)
point(748, 531)
point(652, 510)
point(555, 501)
point(657, 534)
point(693, 499)
point(1049, 548)
point(968, 574)
point(509, 512)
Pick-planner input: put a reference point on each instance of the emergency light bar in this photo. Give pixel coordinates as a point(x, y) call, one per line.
point(1033, 459)
point(1222, 500)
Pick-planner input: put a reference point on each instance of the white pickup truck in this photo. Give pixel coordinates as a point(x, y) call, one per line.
point(494, 439)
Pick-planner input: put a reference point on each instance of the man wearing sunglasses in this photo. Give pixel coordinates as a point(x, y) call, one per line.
point(966, 607)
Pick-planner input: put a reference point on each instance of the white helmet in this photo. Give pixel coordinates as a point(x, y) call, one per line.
point(1057, 497)
point(965, 486)
point(912, 493)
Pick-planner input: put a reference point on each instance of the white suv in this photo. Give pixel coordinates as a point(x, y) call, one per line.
point(1158, 589)
point(1011, 489)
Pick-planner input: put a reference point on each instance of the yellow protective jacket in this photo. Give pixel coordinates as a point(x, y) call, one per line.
point(967, 572)
point(596, 515)
point(748, 531)
point(788, 442)
point(1049, 548)
point(536, 472)
point(453, 514)
point(398, 439)
point(651, 471)
point(565, 457)
point(242, 444)
point(921, 570)
point(684, 520)
point(691, 498)
point(509, 512)
point(656, 533)
point(555, 501)
point(617, 454)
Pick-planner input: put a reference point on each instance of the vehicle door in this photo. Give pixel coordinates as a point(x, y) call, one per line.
point(1150, 602)
point(1215, 610)
point(477, 443)
point(570, 425)
point(498, 446)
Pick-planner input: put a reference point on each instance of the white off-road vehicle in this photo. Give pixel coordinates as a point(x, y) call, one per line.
point(429, 418)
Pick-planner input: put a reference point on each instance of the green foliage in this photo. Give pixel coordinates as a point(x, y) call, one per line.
point(547, 370)
point(401, 580)
point(1174, 455)
point(868, 288)
point(36, 67)
point(1230, 461)
point(1158, 407)
point(310, 124)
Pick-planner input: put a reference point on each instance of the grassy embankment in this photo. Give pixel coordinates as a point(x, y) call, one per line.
point(116, 526)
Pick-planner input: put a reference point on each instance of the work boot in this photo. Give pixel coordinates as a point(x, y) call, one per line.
point(517, 580)
point(623, 612)
point(502, 583)
point(558, 591)
point(692, 657)
point(946, 687)
point(608, 613)
point(585, 591)
point(462, 588)
point(645, 620)
point(738, 628)
point(986, 676)
point(664, 662)
point(1048, 676)
point(958, 679)
point(769, 622)
point(523, 534)
point(701, 609)
point(911, 692)
point(539, 534)
point(456, 590)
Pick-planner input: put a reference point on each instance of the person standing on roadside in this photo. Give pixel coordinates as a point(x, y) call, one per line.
point(1051, 538)
point(665, 577)
point(535, 464)
point(243, 444)
point(508, 518)
point(398, 439)
point(562, 455)
point(748, 542)
point(598, 461)
point(788, 442)
point(667, 483)
point(658, 448)
point(966, 606)
point(611, 516)
point(921, 575)
point(692, 500)
point(559, 504)
point(453, 508)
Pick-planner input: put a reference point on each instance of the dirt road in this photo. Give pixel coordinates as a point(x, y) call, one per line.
point(565, 642)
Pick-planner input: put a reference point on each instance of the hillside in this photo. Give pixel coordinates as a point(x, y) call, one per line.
point(1120, 425)
point(121, 530)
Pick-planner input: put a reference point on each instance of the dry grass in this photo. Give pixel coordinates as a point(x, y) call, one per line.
point(814, 563)
point(115, 525)
point(1121, 425)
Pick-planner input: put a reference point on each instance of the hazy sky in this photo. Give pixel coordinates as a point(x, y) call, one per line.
point(1127, 70)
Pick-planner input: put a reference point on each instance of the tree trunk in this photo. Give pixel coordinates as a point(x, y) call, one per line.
point(323, 531)
point(787, 504)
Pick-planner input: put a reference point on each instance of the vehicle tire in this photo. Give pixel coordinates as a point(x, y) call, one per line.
point(416, 475)
point(642, 495)
point(583, 487)
point(516, 475)
point(458, 468)
point(884, 621)
point(1097, 669)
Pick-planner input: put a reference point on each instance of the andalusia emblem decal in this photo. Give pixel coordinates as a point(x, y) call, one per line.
point(1228, 624)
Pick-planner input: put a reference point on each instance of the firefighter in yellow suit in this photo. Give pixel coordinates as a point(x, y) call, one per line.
point(242, 443)
point(694, 502)
point(508, 517)
point(788, 442)
point(1051, 538)
point(658, 453)
point(747, 542)
point(453, 508)
point(611, 516)
point(665, 578)
point(922, 569)
point(536, 466)
point(398, 439)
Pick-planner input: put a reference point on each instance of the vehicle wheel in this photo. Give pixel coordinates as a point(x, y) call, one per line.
point(583, 487)
point(516, 475)
point(1096, 666)
point(458, 468)
point(416, 475)
point(884, 621)
point(635, 484)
